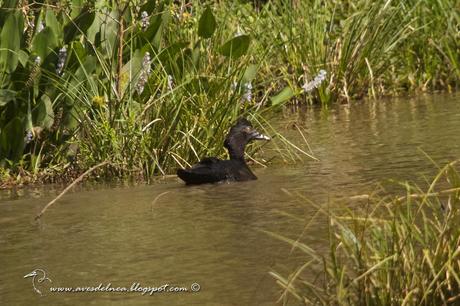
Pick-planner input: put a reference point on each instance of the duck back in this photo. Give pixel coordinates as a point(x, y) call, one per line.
point(212, 170)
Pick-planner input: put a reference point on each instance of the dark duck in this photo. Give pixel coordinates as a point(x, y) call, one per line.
point(212, 169)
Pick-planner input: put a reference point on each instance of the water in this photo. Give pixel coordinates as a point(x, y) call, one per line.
point(213, 234)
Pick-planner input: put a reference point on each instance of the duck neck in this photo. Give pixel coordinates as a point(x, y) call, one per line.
point(237, 152)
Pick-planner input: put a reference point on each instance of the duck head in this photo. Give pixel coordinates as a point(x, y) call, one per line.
point(239, 135)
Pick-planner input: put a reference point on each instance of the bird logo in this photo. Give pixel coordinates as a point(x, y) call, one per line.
point(38, 276)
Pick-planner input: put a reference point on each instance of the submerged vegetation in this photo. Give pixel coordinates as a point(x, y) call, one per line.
point(390, 251)
point(150, 86)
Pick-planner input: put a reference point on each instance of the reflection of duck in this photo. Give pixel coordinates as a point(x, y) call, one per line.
point(212, 169)
point(35, 278)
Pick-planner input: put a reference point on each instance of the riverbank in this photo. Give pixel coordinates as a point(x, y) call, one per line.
point(159, 89)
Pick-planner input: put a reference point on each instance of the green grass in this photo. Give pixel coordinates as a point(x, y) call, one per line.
point(386, 250)
point(368, 48)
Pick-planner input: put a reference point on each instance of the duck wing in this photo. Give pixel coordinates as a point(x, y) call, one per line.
point(207, 162)
point(208, 170)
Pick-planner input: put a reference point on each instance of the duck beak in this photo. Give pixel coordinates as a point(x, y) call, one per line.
point(258, 136)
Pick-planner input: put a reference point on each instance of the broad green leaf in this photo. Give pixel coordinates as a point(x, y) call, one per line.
point(77, 6)
point(23, 57)
point(93, 34)
point(6, 96)
point(155, 25)
point(149, 7)
point(70, 121)
point(207, 24)
point(285, 94)
point(134, 65)
point(109, 32)
point(250, 73)
point(52, 22)
point(131, 70)
point(12, 140)
point(7, 6)
point(79, 25)
point(86, 69)
point(165, 17)
point(10, 39)
point(44, 42)
point(77, 52)
point(43, 113)
point(236, 46)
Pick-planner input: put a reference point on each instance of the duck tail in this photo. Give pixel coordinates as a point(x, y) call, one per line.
point(182, 174)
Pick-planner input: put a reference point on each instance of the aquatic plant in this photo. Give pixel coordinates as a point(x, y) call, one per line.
point(61, 60)
point(146, 70)
point(97, 75)
point(145, 22)
point(385, 250)
point(369, 48)
point(309, 86)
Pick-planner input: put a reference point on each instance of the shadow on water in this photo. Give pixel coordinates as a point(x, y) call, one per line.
point(211, 234)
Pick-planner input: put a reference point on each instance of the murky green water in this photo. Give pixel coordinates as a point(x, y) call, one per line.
point(211, 235)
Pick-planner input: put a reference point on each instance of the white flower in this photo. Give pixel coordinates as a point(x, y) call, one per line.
point(61, 60)
point(29, 137)
point(145, 22)
point(307, 87)
point(146, 63)
point(247, 95)
point(145, 73)
point(238, 32)
point(170, 82)
point(245, 88)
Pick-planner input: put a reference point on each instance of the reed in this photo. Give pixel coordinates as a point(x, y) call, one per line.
point(369, 48)
point(388, 251)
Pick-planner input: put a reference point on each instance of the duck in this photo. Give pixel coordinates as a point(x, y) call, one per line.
point(213, 169)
